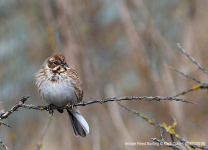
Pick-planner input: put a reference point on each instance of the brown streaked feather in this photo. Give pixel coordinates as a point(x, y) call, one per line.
point(76, 83)
point(58, 57)
point(79, 93)
point(60, 85)
point(57, 76)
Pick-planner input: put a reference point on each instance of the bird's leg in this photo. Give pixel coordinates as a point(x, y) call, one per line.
point(50, 109)
point(72, 105)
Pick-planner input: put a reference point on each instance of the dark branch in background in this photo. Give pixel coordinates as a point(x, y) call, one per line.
point(168, 129)
point(101, 101)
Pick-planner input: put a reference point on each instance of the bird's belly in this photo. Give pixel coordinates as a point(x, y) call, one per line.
point(58, 94)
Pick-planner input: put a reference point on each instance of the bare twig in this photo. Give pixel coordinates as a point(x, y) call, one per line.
point(161, 134)
point(192, 78)
point(171, 136)
point(4, 146)
point(150, 98)
point(168, 144)
point(14, 108)
point(39, 144)
point(192, 59)
point(174, 120)
point(101, 101)
point(202, 86)
point(169, 129)
point(4, 124)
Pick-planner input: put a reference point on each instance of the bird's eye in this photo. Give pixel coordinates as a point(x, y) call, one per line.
point(54, 62)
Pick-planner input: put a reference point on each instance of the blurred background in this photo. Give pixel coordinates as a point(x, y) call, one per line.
point(119, 48)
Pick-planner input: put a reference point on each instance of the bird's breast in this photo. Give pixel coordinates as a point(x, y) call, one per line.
point(57, 93)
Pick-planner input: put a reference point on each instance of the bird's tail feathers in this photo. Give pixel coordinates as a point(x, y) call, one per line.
point(79, 124)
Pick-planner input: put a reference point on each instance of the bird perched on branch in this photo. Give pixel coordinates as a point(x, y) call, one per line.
point(60, 85)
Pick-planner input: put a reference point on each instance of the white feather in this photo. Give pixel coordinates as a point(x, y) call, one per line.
point(81, 120)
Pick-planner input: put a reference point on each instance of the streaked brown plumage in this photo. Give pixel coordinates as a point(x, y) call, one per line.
point(60, 85)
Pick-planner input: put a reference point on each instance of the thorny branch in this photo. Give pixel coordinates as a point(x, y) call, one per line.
point(101, 101)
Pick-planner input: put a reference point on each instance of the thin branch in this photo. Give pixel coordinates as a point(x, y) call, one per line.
point(139, 114)
point(101, 101)
point(5, 124)
point(4, 146)
point(14, 108)
point(192, 78)
point(202, 86)
point(168, 144)
point(169, 129)
point(150, 98)
point(174, 120)
point(161, 133)
point(171, 136)
point(39, 144)
point(184, 92)
point(192, 59)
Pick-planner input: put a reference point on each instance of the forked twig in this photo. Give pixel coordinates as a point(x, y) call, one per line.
point(168, 129)
point(201, 85)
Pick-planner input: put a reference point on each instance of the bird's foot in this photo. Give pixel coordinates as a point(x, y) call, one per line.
point(50, 109)
point(71, 105)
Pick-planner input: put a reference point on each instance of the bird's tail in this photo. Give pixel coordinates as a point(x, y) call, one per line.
point(79, 124)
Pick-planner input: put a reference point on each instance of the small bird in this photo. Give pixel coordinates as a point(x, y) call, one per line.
point(60, 85)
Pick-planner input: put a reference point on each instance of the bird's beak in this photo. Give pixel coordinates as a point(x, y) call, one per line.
point(63, 63)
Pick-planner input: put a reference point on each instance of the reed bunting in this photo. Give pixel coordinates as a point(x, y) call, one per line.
point(60, 85)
